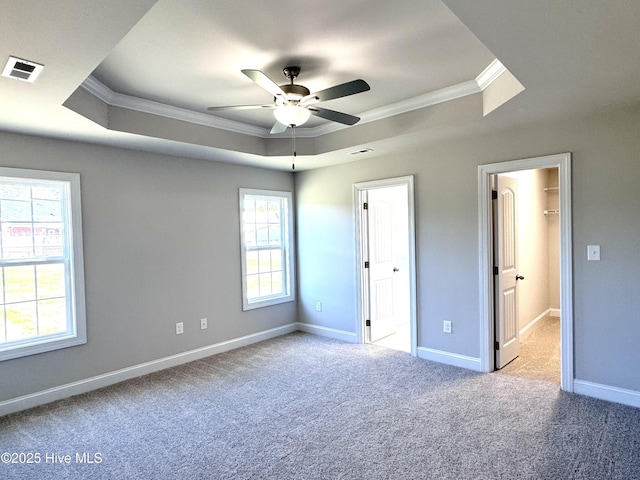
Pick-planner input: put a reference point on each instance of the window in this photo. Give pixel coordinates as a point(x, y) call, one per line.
point(267, 247)
point(41, 272)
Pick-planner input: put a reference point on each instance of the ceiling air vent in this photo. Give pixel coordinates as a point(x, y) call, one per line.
point(360, 152)
point(20, 69)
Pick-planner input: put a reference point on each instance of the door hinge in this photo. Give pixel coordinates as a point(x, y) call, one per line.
point(365, 206)
point(497, 345)
point(494, 194)
point(366, 264)
point(495, 270)
point(367, 323)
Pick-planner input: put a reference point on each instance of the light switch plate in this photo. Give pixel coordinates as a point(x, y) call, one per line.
point(593, 252)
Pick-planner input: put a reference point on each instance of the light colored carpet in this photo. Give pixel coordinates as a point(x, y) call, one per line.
point(401, 340)
point(307, 407)
point(539, 357)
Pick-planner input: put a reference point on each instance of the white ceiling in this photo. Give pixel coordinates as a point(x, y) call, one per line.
point(181, 56)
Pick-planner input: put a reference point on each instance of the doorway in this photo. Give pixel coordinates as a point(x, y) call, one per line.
point(487, 262)
point(385, 255)
point(527, 289)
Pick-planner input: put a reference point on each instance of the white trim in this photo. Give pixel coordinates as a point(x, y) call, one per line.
point(440, 356)
point(358, 190)
point(99, 381)
point(421, 101)
point(532, 323)
point(115, 99)
point(327, 332)
point(607, 392)
point(76, 333)
point(555, 312)
point(287, 244)
point(490, 74)
point(563, 163)
point(470, 87)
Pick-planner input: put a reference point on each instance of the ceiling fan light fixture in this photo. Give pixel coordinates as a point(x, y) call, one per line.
point(292, 115)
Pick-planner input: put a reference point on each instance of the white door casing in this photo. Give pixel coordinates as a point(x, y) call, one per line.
point(361, 192)
point(561, 161)
point(506, 257)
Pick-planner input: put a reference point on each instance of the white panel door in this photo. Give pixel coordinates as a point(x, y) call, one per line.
point(506, 281)
point(381, 264)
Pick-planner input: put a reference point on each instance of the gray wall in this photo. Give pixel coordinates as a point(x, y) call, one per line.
point(161, 245)
point(606, 206)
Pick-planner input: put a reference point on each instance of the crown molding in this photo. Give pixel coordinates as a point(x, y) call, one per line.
point(421, 101)
point(108, 96)
point(115, 99)
point(490, 74)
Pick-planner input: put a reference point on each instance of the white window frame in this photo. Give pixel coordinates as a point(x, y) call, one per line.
point(288, 294)
point(76, 333)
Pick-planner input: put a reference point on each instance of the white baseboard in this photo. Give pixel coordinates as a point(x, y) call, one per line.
point(471, 363)
point(532, 323)
point(554, 312)
point(99, 381)
point(327, 332)
point(606, 392)
point(581, 387)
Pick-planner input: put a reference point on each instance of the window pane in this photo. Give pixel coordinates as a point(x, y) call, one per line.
point(17, 240)
point(52, 316)
point(274, 211)
point(274, 235)
point(47, 210)
point(3, 337)
point(46, 192)
point(264, 260)
point(276, 283)
point(21, 321)
point(261, 211)
point(15, 191)
point(253, 286)
point(250, 235)
point(20, 284)
point(48, 240)
point(50, 281)
point(15, 210)
point(252, 262)
point(249, 212)
point(265, 284)
point(276, 260)
point(262, 234)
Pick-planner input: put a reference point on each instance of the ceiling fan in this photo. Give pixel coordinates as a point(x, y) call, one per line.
point(293, 104)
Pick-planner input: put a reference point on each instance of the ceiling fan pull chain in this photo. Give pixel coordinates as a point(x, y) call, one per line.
point(293, 146)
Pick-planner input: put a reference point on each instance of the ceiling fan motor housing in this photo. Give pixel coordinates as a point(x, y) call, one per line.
point(293, 91)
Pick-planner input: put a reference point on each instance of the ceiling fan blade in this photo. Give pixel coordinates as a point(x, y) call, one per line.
point(265, 82)
point(334, 116)
point(342, 90)
point(239, 107)
point(278, 128)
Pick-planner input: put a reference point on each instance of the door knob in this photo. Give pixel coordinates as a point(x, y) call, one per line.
point(396, 269)
point(519, 277)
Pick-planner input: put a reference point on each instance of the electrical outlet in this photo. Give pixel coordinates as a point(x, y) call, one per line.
point(446, 326)
point(318, 306)
point(179, 328)
point(203, 323)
